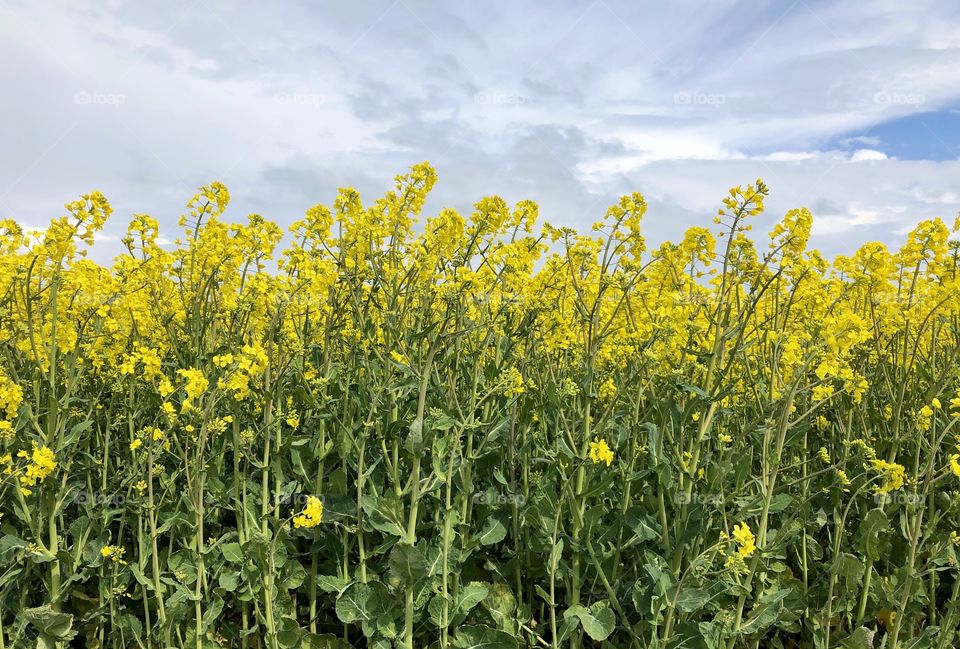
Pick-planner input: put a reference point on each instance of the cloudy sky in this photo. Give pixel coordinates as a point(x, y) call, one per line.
point(851, 109)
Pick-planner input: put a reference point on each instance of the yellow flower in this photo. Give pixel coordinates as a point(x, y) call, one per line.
point(746, 542)
point(223, 360)
point(135, 444)
point(600, 452)
point(11, 395)
point(886, 617)
point(196, 385)
point(893, 476)
point(114, 553)
point(165, 389)
point(312, 513)
point(736, 564)
point(955, 464)
point(844, 480)
point(513, 381)
point(923, 417)
point(607, 390)
point(41, 464)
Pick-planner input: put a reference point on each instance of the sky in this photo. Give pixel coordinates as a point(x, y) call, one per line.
point(850, 109)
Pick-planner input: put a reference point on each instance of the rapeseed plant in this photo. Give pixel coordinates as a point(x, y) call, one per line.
point(447, 389)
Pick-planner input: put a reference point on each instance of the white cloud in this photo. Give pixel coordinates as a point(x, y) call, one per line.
point(569, 104)
point(861, 155)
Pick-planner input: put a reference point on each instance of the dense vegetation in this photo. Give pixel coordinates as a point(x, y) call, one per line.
point(476, 432)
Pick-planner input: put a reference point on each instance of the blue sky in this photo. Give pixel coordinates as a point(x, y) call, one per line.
point(928, 135)
point(850, 109)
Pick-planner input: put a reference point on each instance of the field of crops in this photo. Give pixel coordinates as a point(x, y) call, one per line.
point(385, 430)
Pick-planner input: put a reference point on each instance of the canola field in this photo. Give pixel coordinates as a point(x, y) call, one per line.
point(382, 429)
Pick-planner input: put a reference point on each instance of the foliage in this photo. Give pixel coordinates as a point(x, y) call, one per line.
point(476, 432)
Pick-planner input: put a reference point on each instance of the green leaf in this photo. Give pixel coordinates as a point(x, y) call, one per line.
point(407, 565)
point(556, 553)
point(228, 580)
point(288, 635)
point(598, 621)
point(544, 594)
point(331, 583)
point(10, 546)
point(214, 607)
point(140, 577)
point(294, 574)
point(861, 638)
point(471, 595)
point(58, 626)
point(483, 637)
point(351, 605)
point(232, 552)
point(493, 531)
point(435, 610)
point(653, 444)
point(501, 605)
point(371, 605)
point(385, 514)
point(641, 524)
point(692, 599)
point(414, 443)
point(847, 566)
point(766, 612)
point(874, 523)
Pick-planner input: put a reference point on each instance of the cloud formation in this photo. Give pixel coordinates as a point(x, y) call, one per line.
point(569, 104)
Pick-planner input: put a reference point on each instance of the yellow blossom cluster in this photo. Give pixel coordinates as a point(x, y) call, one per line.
point(312, 514)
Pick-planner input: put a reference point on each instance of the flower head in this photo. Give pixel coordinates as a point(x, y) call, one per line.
point(893, 475)
point(114, 553)
point(746, 541)
point(312, 514)
point(600, 452)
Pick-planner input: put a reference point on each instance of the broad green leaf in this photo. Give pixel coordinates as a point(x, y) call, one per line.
point(493, 531)
point(232, 552)
point(692, 599)
point(598, 620)
point(385, 514)
point(483, 637)
point(58, 626)
point(407, 565)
